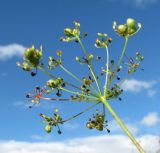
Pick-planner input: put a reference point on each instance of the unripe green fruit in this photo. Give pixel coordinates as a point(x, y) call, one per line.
point(68, 32)
point(90, 125)
point(131, 23)
point(130, 71)
point(131, 31)
point(50, 83)
point(99, 127)
point(142, 58)
point(48, 128)
point(75, 32)
point(78, 59)
point(90, 57)
point(122, 29)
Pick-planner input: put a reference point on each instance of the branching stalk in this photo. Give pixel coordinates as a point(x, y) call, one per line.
point(71, 74)
point(89, 108)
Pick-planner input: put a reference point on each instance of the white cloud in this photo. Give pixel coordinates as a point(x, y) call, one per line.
point(71, 126)
point(115, 128)
point(151, 119)
point(46, 137)
point(96, 144)
point(144, 3)
point(134, 85)
point(23, 104)
point(138, 3)
point(11, 50)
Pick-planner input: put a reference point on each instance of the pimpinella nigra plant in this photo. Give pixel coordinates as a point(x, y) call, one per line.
point(88, 88)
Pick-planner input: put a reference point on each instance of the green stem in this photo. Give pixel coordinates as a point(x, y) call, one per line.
point(90, 66)
point(120, 60)
point(89, 108)
point(123, 52)
point(107, 64)
point(66, 99)
point(70, 84)
point(122, 125)
point(76, 93)
point(71, 74)
point(54, 77)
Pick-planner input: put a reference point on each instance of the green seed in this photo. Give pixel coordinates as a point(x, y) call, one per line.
point(122, 29)
point(68, 32)
point(131, 23)
point(131, 31)
point(48, 128)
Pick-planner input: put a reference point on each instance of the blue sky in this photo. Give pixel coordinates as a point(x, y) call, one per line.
point(24, 23)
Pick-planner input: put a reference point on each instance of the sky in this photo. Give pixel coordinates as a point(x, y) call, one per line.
point(24, 23)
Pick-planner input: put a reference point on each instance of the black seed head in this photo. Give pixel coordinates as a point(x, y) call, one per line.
point(59, 132)
point(119, 98)
point(118, 78)
point(33, 74)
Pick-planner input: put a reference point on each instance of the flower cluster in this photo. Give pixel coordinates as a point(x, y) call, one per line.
point(98, 122)
point(52, 121)
point(128, 29)
point(32, 58)
point(88, 87)
point(53, 63)
point(71, 34)
point(103, 40)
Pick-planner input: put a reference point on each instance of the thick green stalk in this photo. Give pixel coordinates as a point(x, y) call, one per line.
point(122, 125)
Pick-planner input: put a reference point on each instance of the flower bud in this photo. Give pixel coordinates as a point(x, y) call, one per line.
point(131, 31)
point(77, 24)
point(59, 53)
point(90, 125)
point(122, 29)
point(142, 58)
point(50, 83)
point(33, 56)
point(68, 32)
point(26, 67)
point(99, 127)
point(48, 128)
point(75, 32)
point(131, 23)
point(100, 34)
point(98, 43)
point(90, 57)
point(78, 59)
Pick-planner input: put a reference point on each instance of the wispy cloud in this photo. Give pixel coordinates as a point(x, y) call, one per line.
point(151, 119)
point(23, 104)
point(11, 50)
point(141, 4)
point(96, 144)
point(134, 85)
point(115, 128)
point(144, 3)
point(46, 137)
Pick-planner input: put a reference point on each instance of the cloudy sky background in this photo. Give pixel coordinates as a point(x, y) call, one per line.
point(24, 23)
